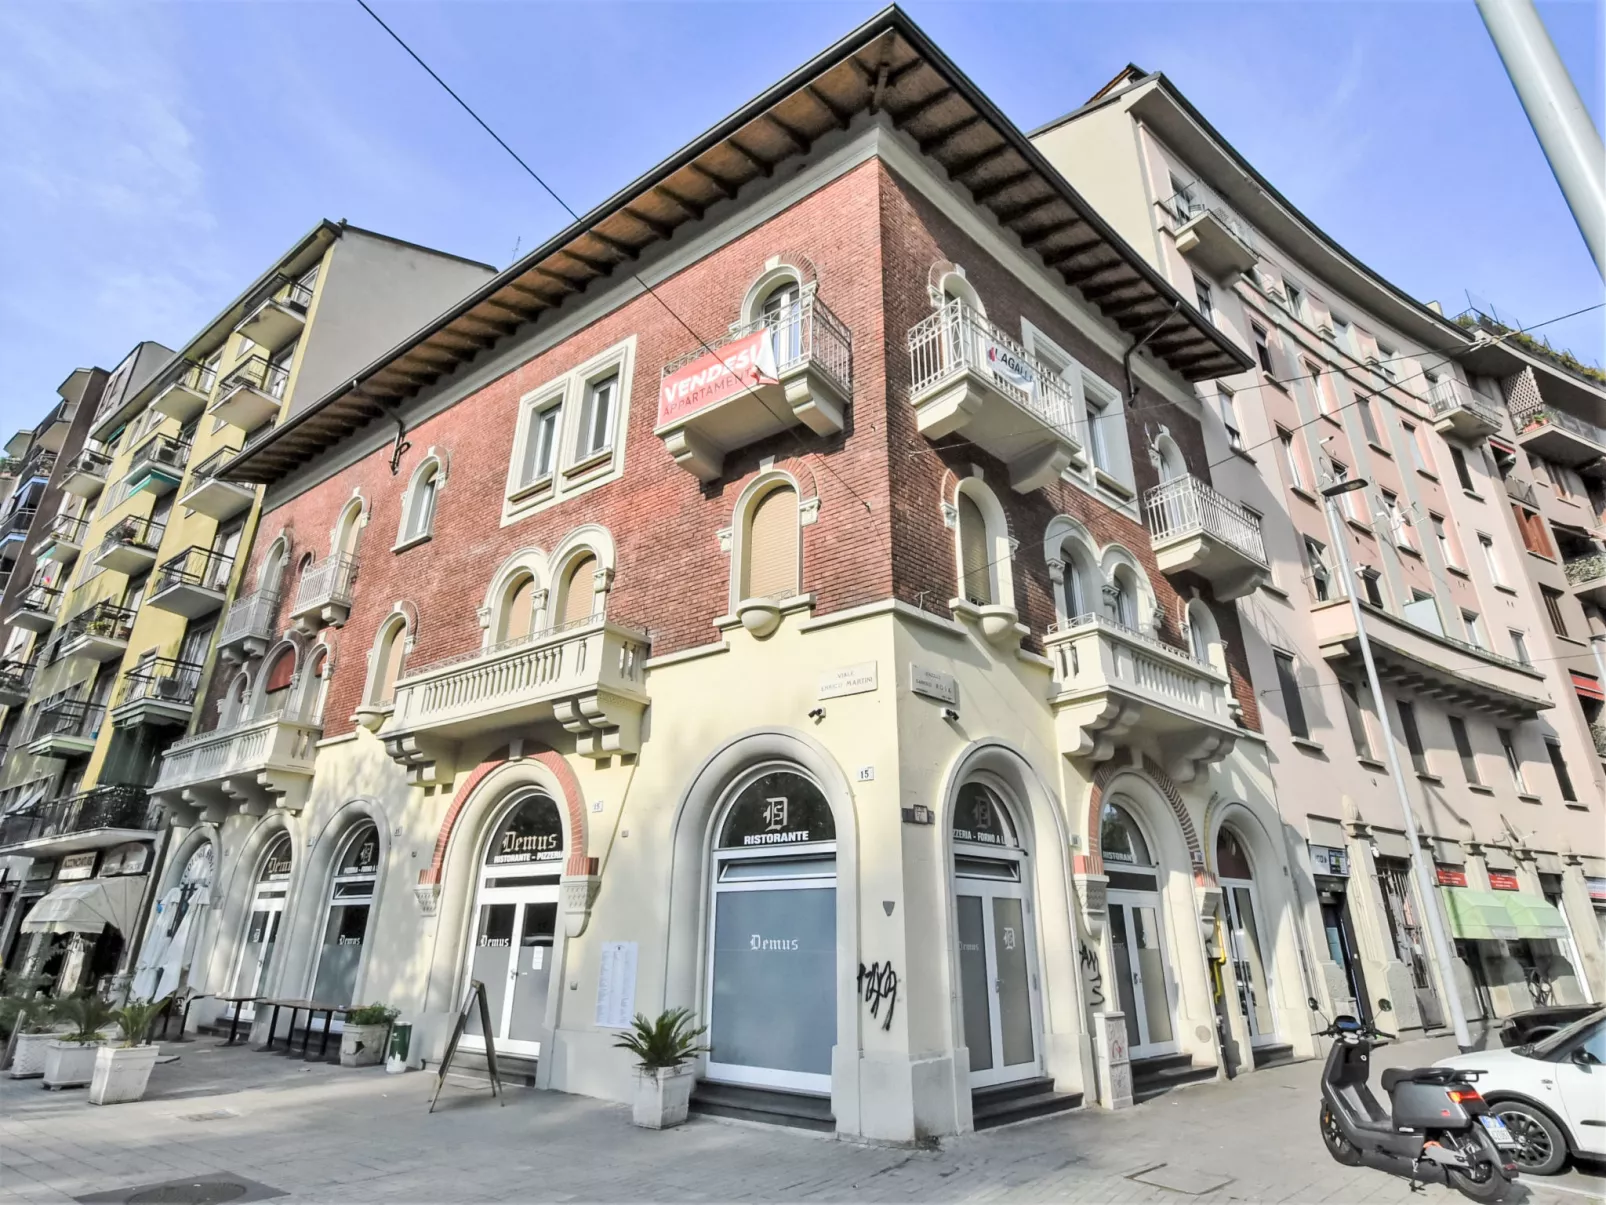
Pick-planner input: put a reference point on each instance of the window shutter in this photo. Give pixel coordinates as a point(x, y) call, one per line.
point(516, 624)
point(577, 593)
point(280, 673)
point(976, 585)
point(395, 649)
point(772, 535)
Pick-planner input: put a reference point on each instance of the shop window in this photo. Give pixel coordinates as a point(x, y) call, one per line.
point(579, 591)
point(350, 905)
point(770, 546)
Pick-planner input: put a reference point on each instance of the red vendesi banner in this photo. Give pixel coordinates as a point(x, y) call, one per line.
point(739, 365)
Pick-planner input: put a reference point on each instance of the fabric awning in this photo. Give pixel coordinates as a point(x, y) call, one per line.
point(1478, 915)
point(89, 907)
point(1533, 916)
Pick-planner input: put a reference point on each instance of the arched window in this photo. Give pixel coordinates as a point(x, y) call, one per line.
point(1123, 597)
point(348, 530)
point(1172, 465)
point(1203, 635)
point(271, 576)
point(579, 590)
point(516, 619)
point(782, 312)
point(975, 577)
point(955, 288)
point(277, 679)
point(770, 546)
point(1245, 941)
point(1120, 839)
point(389, 650)
point(418, 504)
point(231, 710)
point(317, 686)
point(1231, 860)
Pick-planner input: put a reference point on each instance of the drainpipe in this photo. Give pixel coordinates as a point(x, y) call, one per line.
point(1126, 360)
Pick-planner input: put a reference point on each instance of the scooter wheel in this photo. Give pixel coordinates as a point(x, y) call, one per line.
point(1485, 1182)
point(1338, 1146)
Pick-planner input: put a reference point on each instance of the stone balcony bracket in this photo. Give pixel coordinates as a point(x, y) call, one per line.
point(579, 892)
point(1114, 686)
point(998, 625)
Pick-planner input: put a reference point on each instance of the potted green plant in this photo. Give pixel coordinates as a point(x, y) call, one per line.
point(32, 1018)
point(70, 1057)
point(363, 1037)
point(123, 1070)
point(665, 1071)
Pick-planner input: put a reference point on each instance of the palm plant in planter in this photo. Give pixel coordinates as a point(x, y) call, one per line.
point(665, 1072)
point(70, 1058)
point(30, 1018)
point(122, 1071)
point(362, 1039)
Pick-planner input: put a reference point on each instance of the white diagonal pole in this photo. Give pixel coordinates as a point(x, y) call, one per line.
point(1555, 110)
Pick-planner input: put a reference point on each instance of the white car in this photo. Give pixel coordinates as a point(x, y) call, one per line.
point(1551, 1094)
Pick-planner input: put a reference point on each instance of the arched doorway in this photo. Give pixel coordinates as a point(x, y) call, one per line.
point(999, 1006)
point(1245, 943)
point(516, 915)
point(345, 931)
point(772, 974)
point(1133, 934)
point(272, 884)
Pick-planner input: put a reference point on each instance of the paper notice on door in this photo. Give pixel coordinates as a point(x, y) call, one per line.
point(616, 985)
point(537, 957)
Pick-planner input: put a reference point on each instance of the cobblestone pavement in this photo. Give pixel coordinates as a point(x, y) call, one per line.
point(319, 1133)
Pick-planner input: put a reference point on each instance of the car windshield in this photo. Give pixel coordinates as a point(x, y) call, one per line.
point(1544, 1048)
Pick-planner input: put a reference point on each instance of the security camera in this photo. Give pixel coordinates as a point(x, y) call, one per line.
point(817, 714)
point(949, 714)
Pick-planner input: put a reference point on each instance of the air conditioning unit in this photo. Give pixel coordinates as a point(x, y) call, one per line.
point(169, 688)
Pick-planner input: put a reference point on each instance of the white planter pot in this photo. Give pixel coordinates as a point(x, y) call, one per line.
point(69, 1064)
point(362, 1045)
point(28, 1060)
point(121, 1073)
point(663, 1096)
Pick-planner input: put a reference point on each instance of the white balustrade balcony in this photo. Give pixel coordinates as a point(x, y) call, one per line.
point(968, 378)
point(1194, 528)
point(256, 764)
point(1114, 686)
point(589, 677)
point(248, 627)
point(1459, 411)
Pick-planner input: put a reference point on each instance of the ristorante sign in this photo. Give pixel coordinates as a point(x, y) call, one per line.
point(743, 364)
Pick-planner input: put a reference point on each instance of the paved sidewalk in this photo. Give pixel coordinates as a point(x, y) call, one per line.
point(320, 1133)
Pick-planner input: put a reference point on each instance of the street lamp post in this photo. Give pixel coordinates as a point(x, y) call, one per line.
point(1439, 944)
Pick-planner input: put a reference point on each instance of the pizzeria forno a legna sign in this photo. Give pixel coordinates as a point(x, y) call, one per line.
point(746, 363)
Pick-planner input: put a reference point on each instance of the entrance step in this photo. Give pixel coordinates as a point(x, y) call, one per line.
point(1158, 1075)
point(514, 1070)
point(763, 1104)
point(1273, 1056)
point(1005, 1103)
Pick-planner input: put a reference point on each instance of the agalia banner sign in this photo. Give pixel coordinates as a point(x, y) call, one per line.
point(745, 363)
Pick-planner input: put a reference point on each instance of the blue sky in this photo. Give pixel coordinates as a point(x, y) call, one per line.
point(158, 156)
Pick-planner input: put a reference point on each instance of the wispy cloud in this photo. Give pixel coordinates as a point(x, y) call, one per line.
point(100, 155)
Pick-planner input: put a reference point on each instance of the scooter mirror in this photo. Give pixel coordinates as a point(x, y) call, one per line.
point(1314, 1006)
point(1383, 1005)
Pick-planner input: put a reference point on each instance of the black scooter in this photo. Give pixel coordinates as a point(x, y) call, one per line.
point(1435, 1117)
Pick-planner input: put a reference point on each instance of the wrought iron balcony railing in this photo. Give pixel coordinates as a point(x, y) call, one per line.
point(161, 680)
point(1188, 505)
point(195, 566)
point(65, 529)
point(16, 677)
point(1447, 394)
point(957, 338)
point(160, 451)
point(133, 532)
point(115, 807)
point(18, 522)
point(40, 600)
point(328, 583)
point(1195, 200)
point(250, 618)
point(807, 332)
point(66, 716)
point(256, 373)
point(105, 620)
point(40, 463)
point(1547, 415)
